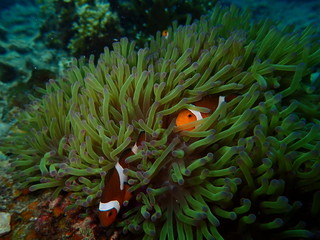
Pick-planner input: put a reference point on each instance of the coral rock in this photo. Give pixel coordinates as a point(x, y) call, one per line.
point(5, 219)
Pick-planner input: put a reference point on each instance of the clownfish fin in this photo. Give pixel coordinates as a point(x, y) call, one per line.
point(141, 138)
point(134, 149)
point(124, 155)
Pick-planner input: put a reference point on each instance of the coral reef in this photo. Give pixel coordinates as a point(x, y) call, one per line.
point(142, 19)
point(96, 25)
point(23, 60)
point(83, 27)
point(248, 171)
point(86, 27)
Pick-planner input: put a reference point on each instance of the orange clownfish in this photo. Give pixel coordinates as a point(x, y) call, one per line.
point(211, 102)
point(165, 34)
point(115, 191)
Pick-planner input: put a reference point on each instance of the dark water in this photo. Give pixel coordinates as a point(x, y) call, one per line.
point(5, 4)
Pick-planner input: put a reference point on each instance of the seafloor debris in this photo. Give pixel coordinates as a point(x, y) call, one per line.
point(4, 223)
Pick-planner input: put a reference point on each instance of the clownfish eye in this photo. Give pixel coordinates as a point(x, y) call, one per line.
point(189, 115)
point(109, 214)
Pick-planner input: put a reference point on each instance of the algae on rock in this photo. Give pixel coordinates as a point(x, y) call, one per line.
point(83, 27)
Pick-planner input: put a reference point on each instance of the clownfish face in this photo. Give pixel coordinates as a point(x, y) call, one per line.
point(211, 102)
point(107, 217)
point(187, 115)
point(184, 117)
point(165, 33)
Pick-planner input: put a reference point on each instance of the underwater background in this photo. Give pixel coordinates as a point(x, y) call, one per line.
point(76, 92)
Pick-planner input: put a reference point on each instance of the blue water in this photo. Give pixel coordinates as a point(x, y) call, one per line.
point(5, 4)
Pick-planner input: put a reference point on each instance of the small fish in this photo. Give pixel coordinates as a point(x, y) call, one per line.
point(115, 191)
point(211, 102)
point(165, 34)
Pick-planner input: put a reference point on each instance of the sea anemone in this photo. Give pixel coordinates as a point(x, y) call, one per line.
point(251, 170)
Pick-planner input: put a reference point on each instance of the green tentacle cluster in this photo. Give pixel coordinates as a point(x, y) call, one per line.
point(250, 170)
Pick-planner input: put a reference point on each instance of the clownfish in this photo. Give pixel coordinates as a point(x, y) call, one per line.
point(211, 102)
point(115, 191)
point(165, 34)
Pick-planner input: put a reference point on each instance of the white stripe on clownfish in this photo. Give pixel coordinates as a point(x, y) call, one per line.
point(115, 193)
point(221, 100)
point(198, 114)
point(134, 149)
point(123, 178)
point(109, 205)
